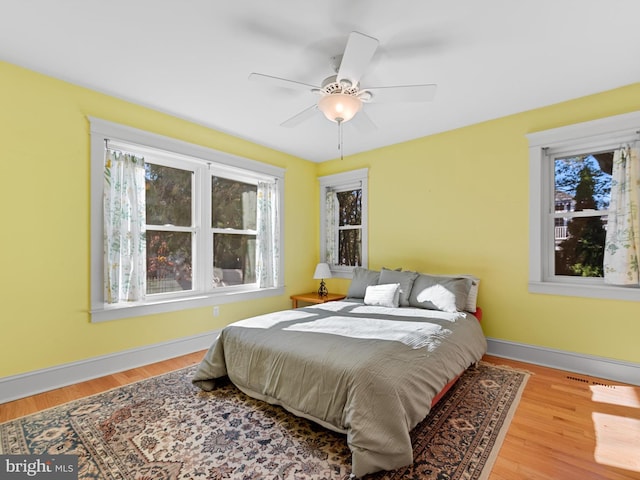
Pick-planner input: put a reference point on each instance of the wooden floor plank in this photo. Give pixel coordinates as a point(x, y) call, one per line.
point(553, 434)
point(567, 426)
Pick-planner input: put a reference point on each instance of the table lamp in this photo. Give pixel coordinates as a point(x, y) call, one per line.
point(322, 271)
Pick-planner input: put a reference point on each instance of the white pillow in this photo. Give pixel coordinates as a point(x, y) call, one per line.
point(438, 296)
point(386, 295)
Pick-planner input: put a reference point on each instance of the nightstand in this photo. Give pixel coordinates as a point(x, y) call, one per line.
point(314, 298)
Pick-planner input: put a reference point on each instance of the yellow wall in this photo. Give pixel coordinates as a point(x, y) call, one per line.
point(44, 210)
point(458, 202)
point(453, 202)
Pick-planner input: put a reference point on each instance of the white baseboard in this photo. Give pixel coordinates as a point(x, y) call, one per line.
point(625, 372)
point(38, 381)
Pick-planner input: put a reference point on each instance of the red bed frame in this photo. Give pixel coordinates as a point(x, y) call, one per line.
point(446, 388)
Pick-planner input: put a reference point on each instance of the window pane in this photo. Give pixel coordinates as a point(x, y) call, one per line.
point(168, 195)
point(350, 207)
point(350, 247)
point(234, 259)
point(583, 182)
point(579, 245)
point(168, 261)
point(233, 204)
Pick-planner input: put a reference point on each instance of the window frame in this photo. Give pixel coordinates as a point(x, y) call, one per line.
point(544, 146)
point(159, 158)
point(213, 231)
point(342, 182)
point(207, 162)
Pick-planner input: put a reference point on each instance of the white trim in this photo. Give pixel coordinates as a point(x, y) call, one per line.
point(610, 292)
point(577, 134)
point(240, 294)
point(105, 129)
point(38, 381)
point(352, 179)
point(584, 136)
point(592, 365)
point(338, 179)
point(201, 158)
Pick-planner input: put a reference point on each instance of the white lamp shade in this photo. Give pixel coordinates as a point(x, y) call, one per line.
point(339, 107)
point(322, 271)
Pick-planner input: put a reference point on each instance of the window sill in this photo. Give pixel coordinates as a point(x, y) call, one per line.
point(610, 292)
point(340, 271)
point(106, 313)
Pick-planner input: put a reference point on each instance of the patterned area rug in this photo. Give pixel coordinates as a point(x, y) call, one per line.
point(164, 428)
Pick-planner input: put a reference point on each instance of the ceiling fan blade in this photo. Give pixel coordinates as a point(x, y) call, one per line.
point(357, 55)
point(298, 118)
point(363, 122)
point(402, 93)
point(281, 82)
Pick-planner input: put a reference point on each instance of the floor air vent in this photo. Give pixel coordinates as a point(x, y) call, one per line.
point(584, 380)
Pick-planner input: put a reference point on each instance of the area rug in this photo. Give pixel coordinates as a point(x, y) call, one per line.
point(164, 428)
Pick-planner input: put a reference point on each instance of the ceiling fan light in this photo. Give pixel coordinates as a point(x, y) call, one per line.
point(339, 107)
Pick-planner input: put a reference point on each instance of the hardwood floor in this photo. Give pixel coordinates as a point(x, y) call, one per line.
point(571, 426)
point(42, 401)
point(567, 426)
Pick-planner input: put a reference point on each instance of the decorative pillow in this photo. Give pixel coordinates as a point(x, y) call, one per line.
point(447, 294)
point(362, 278)
point(387, 295)
point(405, 279)
point(472, 299)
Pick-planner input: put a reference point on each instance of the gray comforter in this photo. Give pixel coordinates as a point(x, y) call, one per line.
point(369, 372)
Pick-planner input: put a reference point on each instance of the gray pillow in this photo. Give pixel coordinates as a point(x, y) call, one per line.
point(472, 299)
point(405, 279)
point(447, 294)
point(362, 278)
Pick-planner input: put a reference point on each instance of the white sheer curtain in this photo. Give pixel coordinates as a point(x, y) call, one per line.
point(331, 226)
point(622, 245)
point(124, 228)
point(267, 243)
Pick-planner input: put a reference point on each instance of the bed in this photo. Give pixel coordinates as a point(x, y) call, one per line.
point(369, 367)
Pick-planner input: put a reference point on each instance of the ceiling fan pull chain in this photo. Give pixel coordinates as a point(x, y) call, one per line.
point(340, 140)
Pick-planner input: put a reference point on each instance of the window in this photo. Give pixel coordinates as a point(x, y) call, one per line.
point(582, 192)
point(570, 196)
point(343, 220)
point(170, 229)
point(202, 227)
point(233, 223)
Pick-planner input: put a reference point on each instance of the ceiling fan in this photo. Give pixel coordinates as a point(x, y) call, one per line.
point(341, 95)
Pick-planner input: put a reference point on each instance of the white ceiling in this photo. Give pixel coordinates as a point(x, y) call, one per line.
point(191, 58)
